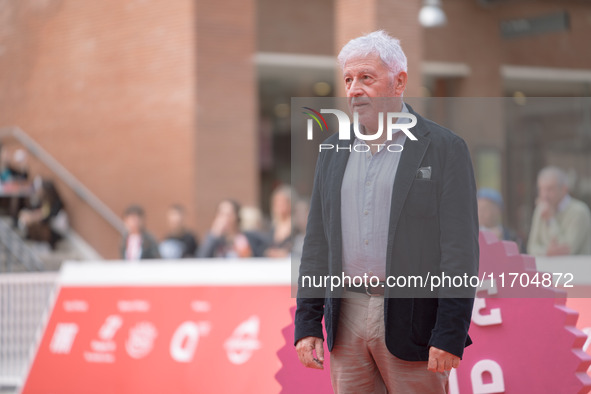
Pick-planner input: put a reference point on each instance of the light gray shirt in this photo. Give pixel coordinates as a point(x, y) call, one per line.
point(366, 195)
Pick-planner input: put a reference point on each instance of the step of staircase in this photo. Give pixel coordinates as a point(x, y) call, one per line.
point(71, 248)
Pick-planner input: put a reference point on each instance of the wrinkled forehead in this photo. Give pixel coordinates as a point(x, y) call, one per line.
point(548, 181)
point(359, 62)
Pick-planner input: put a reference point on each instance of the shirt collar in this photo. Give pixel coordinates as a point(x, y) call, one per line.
point(396, 133)
point(404, 109)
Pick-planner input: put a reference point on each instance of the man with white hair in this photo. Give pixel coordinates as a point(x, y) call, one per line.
point(561, 224)
point(385, 213)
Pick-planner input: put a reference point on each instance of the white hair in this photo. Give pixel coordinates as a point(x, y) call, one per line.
point(378, 43)
point(556, 173)
point(287, 191)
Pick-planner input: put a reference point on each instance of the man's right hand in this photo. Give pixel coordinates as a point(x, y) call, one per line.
point(547, 211)
point(305, 348)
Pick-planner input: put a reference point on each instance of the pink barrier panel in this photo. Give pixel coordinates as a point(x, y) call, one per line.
point(293, 376)
point(162, 339)
point(521, 344)
point(583, 306)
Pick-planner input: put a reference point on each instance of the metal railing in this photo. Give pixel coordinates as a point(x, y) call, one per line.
point(25, 301)
point(64, 175)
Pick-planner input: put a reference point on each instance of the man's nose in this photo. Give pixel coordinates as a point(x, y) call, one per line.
point(354, 89)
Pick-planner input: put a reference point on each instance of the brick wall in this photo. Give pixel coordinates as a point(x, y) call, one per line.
point(108, 89)
point(145, 101)
point(155, 102)
point(472, 36)
point(227, 110)
point(303, 26)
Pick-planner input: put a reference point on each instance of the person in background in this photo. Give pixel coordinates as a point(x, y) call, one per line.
point(225, 239)
point(14, 178)
point(15, 167)
point(4, 160)
point(47, 220)
point(138, 243)
point(490, 214)
point(561, 225)
point(251, 219)
point(180, 242)
point(254, 225)
point(280, 237)
point(300, 218)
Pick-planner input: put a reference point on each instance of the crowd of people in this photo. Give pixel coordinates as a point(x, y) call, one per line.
point(236, 232)
point(561, 225)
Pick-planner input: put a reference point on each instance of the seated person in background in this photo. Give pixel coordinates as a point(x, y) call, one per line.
point(180, 242)
point(300, 219)
point(15, 167)
point(490, 216)
point(14, 176)
point(561, 225)
point(253, 225)
point(225, 239)
point(251, 219)
point(47, 220)
point(281, 240)
point(137, 243)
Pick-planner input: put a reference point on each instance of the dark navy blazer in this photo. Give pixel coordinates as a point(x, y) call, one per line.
point(433, 227)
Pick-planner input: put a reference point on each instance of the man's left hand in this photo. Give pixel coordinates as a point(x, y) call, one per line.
point(440, 360)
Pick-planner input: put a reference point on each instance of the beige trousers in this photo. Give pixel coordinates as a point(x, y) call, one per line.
point(360, 362)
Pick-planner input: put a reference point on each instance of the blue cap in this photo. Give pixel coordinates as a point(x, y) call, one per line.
point(492, 195)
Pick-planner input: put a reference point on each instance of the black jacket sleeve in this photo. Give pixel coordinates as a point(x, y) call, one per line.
point(459, 247)
point(314, 263)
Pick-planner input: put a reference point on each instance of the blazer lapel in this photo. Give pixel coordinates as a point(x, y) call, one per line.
point(411, 158)
point(338, 172)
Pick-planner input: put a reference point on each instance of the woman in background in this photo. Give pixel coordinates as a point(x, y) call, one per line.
point(225, 239)
point(180, 242)
point(280, 237)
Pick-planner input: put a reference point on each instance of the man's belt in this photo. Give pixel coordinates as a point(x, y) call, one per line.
point(373, 291)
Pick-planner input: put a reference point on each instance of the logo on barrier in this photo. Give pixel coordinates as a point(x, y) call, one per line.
point(141, 340)
point(244, 341)
point(185, 340)
point(103, 349)
point(63, 338)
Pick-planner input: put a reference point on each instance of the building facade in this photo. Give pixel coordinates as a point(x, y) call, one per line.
point(155, 102)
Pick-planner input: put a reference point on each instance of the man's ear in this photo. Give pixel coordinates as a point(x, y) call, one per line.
point(400, 83)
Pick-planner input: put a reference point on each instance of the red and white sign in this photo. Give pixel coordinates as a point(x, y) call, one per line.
point(227, 327)
point(165, 328)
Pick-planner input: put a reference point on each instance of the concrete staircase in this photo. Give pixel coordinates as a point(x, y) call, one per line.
point(27, 255)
